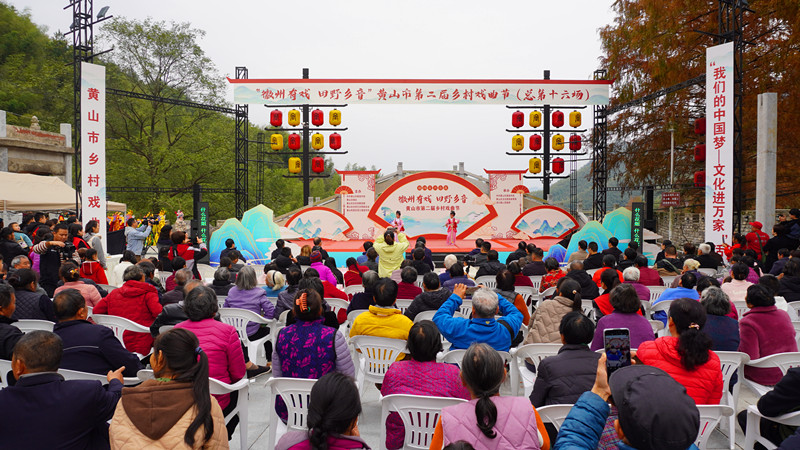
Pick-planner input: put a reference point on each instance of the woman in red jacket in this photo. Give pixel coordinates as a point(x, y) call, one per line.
point(687, 355)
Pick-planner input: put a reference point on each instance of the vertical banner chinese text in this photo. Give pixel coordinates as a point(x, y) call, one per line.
point(637, 229)
point(93, 145)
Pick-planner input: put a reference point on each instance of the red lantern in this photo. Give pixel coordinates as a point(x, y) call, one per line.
point(517, 119)
point(276, 118)
point(317, 117)
point(575, 142)
point(318, 164)
point(335, 141)
point(558, 119)
point(557, 165)
point(700, 178)
point(700, 152)
point(536, 142)
point(294, 141)
point(700, 126)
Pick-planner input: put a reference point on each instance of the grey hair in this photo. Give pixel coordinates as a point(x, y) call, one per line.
point(369, 278)
point(133, 272)
point(449, 260)
point(246, 278)
point(715, 301)
point(484, 303)
point(182, 276)
point(705, 248)
point(222, 274)
point(18, 259)
point(631, 274)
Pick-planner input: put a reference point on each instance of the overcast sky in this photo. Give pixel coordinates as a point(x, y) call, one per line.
point(512, 39)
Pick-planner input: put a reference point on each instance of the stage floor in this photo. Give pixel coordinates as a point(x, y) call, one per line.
point(435, 245)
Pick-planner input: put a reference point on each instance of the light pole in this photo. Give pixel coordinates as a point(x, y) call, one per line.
point(671, 171)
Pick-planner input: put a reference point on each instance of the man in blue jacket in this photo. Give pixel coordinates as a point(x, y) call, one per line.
point(44, 411)
point(483, 327)
point(88, 347)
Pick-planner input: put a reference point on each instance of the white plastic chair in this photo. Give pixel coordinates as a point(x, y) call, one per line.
point(668, 279)
point(663, 305)
point(419, 414)
point(490, 281)
point(536, 352)
point(456, 356)
point(657, 325)
point(708, 272)
point(375, 355)
point(337, 304)
point(528, 293)
point(741, 307)
point(119, 325)
point(102, 378)
point(353, 290)
point(793, 309)
point(206, 271)
point(304, 268)
point(89, 311)
point(26, 325)
point(5, 368)
point(402, 304)
point(544, 295)
point(295, 393)
point(164, 328)
point(783, 361)
point(591, 272)
point(466, 308)
point(242, 386)
point(351, 317)
point(418, 283)
point(587, 307)
point(239, 318)
point(554, 414)
point(753, 433)
point(425, 315)
point(537, 281)
point(731, 362)
point(656, 291)
point(796, 324)
point(710, 416)
point(221, 300)
point(163, 275)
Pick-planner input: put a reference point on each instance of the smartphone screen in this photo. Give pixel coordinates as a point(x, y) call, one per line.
point(618, 348)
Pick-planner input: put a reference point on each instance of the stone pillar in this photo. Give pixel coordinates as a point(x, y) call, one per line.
point(766, 159)
point(3, 150)
point(66, 130)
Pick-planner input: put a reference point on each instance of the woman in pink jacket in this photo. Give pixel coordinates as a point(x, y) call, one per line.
point(219, 342)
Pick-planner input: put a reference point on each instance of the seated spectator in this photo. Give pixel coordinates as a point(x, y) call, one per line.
point(505, 288)
point(363, 300)
point(420, 375)
point(608, 281)
point(689, 266)
point(721, 328)
point(117, 274)
point(164, 263)
point(783, 399)
point(749, 259)
point(627, 314)
point(178, 396)
point(431, 298)
point(396, 272)
point(686, 354)
point(628, 258)
point(449, 260)
point(173, 313)
point(589, 289)
point(764, 330)
point(480, 258)
point(88, 347)
point(286, 297)
point(612, 248)
point(595, 258)
point(492, 265)
point(483, 327)
point(182, 277)
point(247, 295)
point(304, 258)
point(705, 257)
point(670, 264)
point(418, 261)
point(220, 342)
point(314, 283)
point(354, 271)
point(543, 328)
point(279, 245)
point(235, 266)
point(631, 276)
point(333, 410)
point(372, 259)
point(483, 372)
point(9, 334)
point(222, 281)
point(31, 304)
point(536, 266)
point(179, 263)
point(519, 278)
point(736, 288)
point(457, 276)
point(19, 262)
point(647, 276)
point(783, 258)
point(581, 254)
point(609, 263)
point(363, 258)
point(654, 411)
point(330, 263)
point(478, 247)
point(330, 291)
point(422, 242)
point(284, 260)
point(790, 281)
point(382, 319)
point(520, 252)
point(307, 348)
point(76, 412)
point(685, 289)
point(407, 288)
point(324, 272)
point(275, 283)
point(149, 269)
point(554, 273)
point(92, 269)
point(9, 248)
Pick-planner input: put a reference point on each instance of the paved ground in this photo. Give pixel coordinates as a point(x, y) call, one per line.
point(370, 418)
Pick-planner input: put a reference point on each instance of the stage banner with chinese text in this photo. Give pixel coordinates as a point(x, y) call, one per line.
point(719, 143)
point(93, 145)
point(357, 192)
point(414, 92)
point(506, 190)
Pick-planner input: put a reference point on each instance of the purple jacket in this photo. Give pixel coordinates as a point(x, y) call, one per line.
point(764, 331)
point(639, 327)
point(253, 300)
point(641, 290)
point(324, 272)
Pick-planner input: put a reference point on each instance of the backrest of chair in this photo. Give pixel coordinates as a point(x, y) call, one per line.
point(353, 289)
point(490, 281)
point(526, 292)
point(284, 315)
point(26, 325)
point(668, 279)
point(119, 325)
point(466, 307)
point(419, 414)
point(592, 271)
point(453, 357)
point(5, 368)
point(418, 283)
point(536, 352)
point(239, 318)
point(379, 353)
point(402, 304)
point(536, 280)
point(206, 271)
point(163, 275)
point(783, 361)
point(730, 362)
point(78, 375)
point(337, 304)
point(741, 307)
point(221, 302)
point(547, 293)
point(656, 291)
point(663, 305)
point(554, 414)
point(796, 324)
point(425, 315)
point(656, 325)
point(587, 307)
point(304, 268)
point(708, 272)
point(710, 415)
point(295, 393)
point(793, 310)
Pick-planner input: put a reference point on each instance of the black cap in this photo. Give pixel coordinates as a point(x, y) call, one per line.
point(655, 412)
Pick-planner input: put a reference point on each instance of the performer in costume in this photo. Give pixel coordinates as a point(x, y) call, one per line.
point(452, 228)
point(397, 223)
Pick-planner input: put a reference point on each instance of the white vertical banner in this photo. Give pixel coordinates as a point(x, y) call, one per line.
point(93, 146)
point(719, 143)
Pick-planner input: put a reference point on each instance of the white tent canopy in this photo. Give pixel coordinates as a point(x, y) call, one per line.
point(27, 192)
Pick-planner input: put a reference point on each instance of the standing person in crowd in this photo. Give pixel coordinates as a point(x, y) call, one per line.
point(164, 240)
point(51, 254)
point(407, 288)
point(686, 354)
point(486, 420)
point(790, 281)
point(520, 252)
point(554, 273)
point(612, 248)
point(88, 347)
point(135, 236)
point(137, 301)
point(9, 248)
point(594, 260)
point(128, 259)
point(483, 327)
point(391, 253)
point(76, 412)
point(536, 266)
point(382, 319)
point(779, 241)
point(722, 329)
point(354, 271)
point(247, 295)
point(492, 265)
point(519, 278)
point(452, 228)
point(756, 239)
point(420, 375)
point(191, 252)
point(9, 334)
point(647, 276)
point(178, 396)
point(576, 272)
point(222, 282)
point(505, 288)
point(543, 328)
point(581, 254)
point(431, 298)
point(631, 276)
point(76, 236)
point(627, 314)
point(764, 330)
point(31, 304)
point(736, 289)
point(92, 269)
point(72, 280)
point(275, 283)
point(333, 410)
